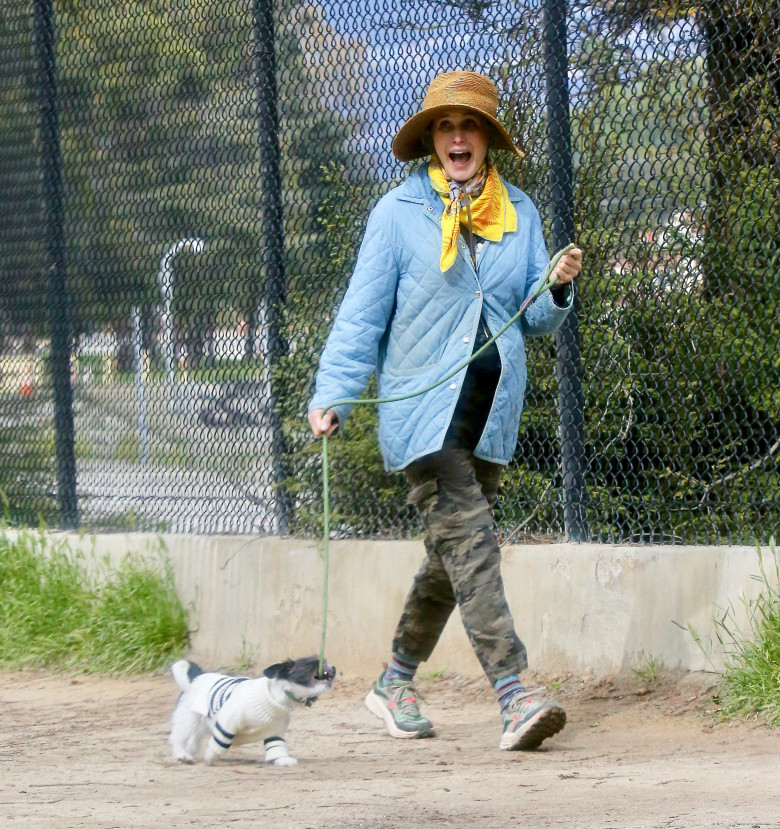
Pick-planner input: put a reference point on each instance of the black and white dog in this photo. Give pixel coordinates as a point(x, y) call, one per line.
point(235, 710)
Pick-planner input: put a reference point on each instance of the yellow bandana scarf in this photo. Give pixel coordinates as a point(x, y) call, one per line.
point(484, 196)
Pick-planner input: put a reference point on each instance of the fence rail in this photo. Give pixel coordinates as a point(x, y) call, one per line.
point(183, 191)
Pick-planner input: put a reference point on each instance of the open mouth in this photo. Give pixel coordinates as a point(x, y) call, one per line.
point(460, 158)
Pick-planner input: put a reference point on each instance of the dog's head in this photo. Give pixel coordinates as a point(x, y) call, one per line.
point(301, 678)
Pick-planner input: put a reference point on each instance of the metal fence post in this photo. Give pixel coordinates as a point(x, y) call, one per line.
point(59, 302)
point(272, 224)
point(562, 203)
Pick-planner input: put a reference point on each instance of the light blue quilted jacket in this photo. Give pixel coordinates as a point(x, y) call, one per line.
point(412, 324)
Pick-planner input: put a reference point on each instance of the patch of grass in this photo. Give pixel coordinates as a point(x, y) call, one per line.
point(245, 661)
point(650, 669)
point(53, 613)
point(750, 680)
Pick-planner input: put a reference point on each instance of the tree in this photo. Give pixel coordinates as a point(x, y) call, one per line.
point(22, 271)
point(742, 61)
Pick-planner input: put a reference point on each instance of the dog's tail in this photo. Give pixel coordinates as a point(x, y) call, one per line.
point(184, 672)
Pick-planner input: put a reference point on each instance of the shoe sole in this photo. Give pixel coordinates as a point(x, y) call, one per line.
point(378, 708)
point(545, 723)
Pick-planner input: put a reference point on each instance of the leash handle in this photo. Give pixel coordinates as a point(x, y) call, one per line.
point(545, 284)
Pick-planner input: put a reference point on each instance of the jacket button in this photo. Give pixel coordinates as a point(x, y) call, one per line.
point(478, 294)
point(453, 386)
point(465, 339)
point(430, 209)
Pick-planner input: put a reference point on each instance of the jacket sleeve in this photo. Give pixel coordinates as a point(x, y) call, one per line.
point(545, 315)
point(351, 352)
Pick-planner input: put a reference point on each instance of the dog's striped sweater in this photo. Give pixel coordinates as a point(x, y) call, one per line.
point(219, 694)
point(238, 709)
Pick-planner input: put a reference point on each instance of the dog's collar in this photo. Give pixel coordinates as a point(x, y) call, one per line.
point(305, 702)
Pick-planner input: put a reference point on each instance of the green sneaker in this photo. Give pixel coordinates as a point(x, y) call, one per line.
point(528, 722)
point(396, 704)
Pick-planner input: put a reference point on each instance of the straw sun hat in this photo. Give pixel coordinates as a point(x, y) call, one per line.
point(468, 90)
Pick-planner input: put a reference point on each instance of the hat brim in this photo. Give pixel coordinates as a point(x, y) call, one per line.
point(409, 143)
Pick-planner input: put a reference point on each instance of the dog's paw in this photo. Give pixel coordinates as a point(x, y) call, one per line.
point(184, 758)
point(285, 761)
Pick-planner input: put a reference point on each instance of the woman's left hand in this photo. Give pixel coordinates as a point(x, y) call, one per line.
point(568, 267)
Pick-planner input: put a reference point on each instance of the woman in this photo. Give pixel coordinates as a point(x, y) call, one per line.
point(447, 259)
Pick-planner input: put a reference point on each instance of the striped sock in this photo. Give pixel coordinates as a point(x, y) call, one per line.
point(507, 688)
point(400, 667)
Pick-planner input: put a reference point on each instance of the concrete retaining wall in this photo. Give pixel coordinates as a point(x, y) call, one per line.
point(583, 608)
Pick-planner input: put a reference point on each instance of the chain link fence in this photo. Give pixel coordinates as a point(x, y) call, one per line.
point(183, 189)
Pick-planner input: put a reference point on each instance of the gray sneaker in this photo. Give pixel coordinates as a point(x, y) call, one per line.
point(396, 704)
point(528, 722)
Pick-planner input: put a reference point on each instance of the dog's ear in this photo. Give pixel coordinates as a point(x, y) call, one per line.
point(278, 670)
point(272, 671)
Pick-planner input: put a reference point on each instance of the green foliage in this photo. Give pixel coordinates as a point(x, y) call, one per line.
point(672, 417)
point(673, 420)
point(54, 614)
point(746, 259)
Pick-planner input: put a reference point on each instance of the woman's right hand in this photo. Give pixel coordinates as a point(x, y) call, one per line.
point(323, 424)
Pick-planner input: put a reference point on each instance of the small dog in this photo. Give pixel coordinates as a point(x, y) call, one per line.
point(236, 710)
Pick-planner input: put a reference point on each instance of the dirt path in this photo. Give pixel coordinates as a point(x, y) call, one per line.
point(93, 752)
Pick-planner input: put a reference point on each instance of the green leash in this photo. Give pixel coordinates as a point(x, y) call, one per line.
point(545, 285)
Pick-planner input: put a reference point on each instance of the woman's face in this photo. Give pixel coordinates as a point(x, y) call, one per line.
point(461, 139)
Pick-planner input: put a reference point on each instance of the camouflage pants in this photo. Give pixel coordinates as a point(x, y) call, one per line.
point(454, 492)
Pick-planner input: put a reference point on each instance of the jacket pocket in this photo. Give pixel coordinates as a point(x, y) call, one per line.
point(398, 363)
